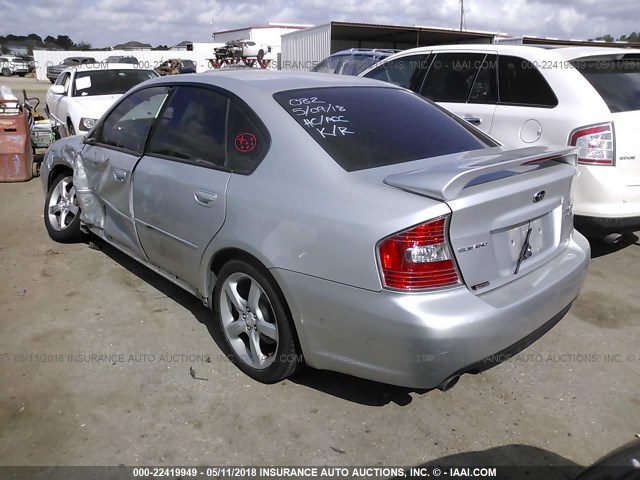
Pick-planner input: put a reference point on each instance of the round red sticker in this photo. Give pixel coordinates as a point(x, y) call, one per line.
point(245, 142)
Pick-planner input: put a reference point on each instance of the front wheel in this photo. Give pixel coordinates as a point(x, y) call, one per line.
point(251, 313)
point(62, 211)
point(6, 72)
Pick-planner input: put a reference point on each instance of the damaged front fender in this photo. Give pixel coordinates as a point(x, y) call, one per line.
point(68, 152)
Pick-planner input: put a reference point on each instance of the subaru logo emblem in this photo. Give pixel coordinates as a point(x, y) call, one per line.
point(539, 196)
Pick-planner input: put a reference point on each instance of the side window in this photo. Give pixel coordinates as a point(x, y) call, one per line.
point(192, 127)
point(401, 71)
point(247, 141)
point(128, 125)
point(520, 83)
point(485, 88)
point(451, 76)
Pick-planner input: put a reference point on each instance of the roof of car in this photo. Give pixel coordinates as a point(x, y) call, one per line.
point(271, 81)
point(580, 52)
point(367, 51)
point(532, 51)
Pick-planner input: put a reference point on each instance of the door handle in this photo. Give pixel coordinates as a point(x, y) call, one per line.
point(472, 120)
point(119, 175)
point(206, 199)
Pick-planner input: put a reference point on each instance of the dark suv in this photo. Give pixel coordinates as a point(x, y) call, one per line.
point(353, 61)
point(55, 70)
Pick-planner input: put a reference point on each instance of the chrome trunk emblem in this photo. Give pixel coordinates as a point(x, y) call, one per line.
point(539, 196)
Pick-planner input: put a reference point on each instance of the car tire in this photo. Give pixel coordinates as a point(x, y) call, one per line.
point(251, 314)
point(62, 211)
point(260, 54)
point(6, 72)
point(35, 168)
point(70, 130)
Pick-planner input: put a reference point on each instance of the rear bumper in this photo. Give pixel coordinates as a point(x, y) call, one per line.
point(604, 201)
point(601, 226)
point(420, 340)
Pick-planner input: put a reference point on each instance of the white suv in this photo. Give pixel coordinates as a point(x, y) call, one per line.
point(583, 96)
point(13, 66)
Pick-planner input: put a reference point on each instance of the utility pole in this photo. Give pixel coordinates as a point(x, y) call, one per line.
point(461, 14)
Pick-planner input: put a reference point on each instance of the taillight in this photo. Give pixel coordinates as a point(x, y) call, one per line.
point(595, 144)
point(418, 258)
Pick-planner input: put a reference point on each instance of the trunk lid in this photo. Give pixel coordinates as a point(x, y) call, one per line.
point(511, 209)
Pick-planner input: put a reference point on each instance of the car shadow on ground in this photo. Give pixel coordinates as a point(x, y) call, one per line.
point(600, 247)
point(353, 389)
point(511, 462)
point(346, 387)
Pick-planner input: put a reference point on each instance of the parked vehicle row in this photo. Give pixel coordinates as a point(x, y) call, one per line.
point(172, 66)
point(587, 97)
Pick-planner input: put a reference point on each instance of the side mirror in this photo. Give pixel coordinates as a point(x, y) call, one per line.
point(57, 89)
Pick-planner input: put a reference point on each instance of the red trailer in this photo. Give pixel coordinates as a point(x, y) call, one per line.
point(16, 152)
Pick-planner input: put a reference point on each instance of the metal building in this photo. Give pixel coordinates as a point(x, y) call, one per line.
point(302, 49)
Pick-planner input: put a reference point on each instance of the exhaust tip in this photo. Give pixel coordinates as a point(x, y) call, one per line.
point(613, 238)
point(449, 383)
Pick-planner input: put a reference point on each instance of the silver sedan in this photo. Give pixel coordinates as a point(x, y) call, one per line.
point(341, 223)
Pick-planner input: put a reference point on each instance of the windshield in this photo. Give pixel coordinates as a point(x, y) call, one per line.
point(368, 127)
point(617, 81)
point(109, 82)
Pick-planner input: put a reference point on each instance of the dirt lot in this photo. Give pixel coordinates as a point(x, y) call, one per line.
point(566, 400)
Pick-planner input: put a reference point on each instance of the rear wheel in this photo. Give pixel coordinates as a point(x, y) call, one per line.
point(251, 314)
point(62, 211)
point(6, 72)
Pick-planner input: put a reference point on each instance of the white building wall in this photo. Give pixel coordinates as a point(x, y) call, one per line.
point(303, 49)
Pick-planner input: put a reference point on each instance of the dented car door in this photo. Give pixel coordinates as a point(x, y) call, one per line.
point(110, 155)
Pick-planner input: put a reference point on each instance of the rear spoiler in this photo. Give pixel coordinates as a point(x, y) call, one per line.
point(452, 173)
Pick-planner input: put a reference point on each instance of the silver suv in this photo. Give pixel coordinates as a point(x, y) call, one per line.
point(353, 61)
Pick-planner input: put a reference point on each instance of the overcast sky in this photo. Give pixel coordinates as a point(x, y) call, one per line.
point(108, 22)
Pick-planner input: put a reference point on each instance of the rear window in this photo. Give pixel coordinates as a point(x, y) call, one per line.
point(368, 127)
point(617, 82)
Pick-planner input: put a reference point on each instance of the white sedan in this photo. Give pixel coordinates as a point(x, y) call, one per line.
point(82, 94)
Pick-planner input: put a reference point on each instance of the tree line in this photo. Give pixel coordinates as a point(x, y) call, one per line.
point(632, 37)
point(34, 41)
